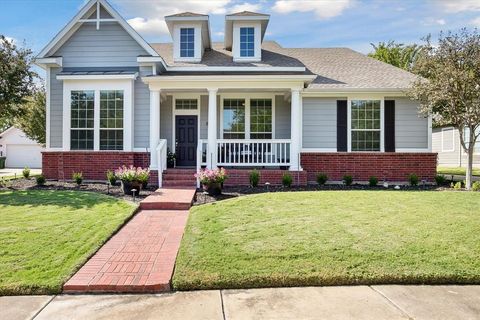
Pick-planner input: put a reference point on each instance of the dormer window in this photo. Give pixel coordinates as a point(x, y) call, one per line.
point(187, 42)
point(247, 42)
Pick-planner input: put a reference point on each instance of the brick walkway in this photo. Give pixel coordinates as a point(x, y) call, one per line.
point(139, 258)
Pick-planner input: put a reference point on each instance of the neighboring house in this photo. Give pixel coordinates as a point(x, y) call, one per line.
point(20, 150)
point(446, 142)
point(114, 99)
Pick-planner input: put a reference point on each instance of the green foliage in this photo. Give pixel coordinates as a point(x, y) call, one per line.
point(77, 177)
point(373, 181)
point(287, 180)
point(347, 180)
point(26, 172)
point(458, 185)
point(397, 54)
point(322, 178)
point(413, 179)
point(440, 180)
point(476, 186)
point(254, 178)
point(40, 180)
point(32, 120)
point(111, 177)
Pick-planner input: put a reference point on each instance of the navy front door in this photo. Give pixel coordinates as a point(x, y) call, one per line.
point(186, 140)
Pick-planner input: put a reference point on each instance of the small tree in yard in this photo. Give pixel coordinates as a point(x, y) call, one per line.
point(452, 92)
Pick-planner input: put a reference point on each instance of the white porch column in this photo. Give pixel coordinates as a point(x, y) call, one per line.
point(295, 130)
point(154, 127)
point(212, 128)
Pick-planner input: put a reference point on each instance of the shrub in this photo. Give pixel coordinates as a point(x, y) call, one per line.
point(287, 180)
point(254, 177)
point(476, 186)
point(458, 185)
point(440, 180)
point(348, 180)
point(77, 177)
point(413, 179)
point(40, 180)
point(322, 178)
point(373, 181)
point(26, 172)
point(131, 174)
point(111, 177)
point(208, 176)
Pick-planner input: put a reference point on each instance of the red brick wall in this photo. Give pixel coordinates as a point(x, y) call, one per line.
point(241, 177)
point(93, 165)
point(391, 166)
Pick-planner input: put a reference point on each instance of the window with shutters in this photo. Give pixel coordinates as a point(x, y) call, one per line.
point(365, 125)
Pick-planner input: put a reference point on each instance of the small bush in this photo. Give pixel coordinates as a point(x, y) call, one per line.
point(26, 172)
point(287, 180)
point(348, 180)
point(458, 185)
point(111, 177)
point(440, 180)
point(373, 181)
point(77, 177)
point(322, 178)
point(254, 178)
point(40, 180)
point(413, 179)
point(476, 186)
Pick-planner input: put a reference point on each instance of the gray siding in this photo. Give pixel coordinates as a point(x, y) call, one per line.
point(320, 122)
point(56, 109)
point(204, 117)
point(411, 128)
point(141, 107)
point(166, 121)
point(282, 118)
point(111, 46)
point(454, 158)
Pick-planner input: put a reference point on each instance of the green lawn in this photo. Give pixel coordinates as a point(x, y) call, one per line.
point(332, 238)
point(456, 171)
point(46, 236)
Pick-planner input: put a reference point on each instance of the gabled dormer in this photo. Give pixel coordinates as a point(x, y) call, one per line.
point(244, 33)
point(191, 35)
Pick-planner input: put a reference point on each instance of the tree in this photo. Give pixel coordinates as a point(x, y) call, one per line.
point(397, 54)
point(16, 79)
point(32, 120)
point(452, 92)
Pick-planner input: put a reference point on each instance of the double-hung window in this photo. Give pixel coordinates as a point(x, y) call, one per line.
point(111, 120)
point(365, 125)
point(247, 42)
point(261, 118)
point(187, 42)
point(82, 120)
point(234, 118)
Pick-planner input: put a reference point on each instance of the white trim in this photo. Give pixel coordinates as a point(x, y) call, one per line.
point(184, 112)
point(318, 150)
point(98, 77)
point(47, 107)
point(328, 92)
point(429, 132)
point(452, 129)
point(197, 42)
point(412, 150)
point(382, 119)
point(49, 62)
point(97, 86)
point(257, 46)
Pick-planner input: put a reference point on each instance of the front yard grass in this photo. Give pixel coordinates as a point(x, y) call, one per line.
point(332, 238)
point(46, 236)
point(456, 171)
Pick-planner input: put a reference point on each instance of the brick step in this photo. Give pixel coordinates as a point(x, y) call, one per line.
point(175, 176)
point(180, 171)
point(170, 198)
point(179, 183)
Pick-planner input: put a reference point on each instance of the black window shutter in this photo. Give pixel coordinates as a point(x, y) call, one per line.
point(389, 125)
point(342, 128)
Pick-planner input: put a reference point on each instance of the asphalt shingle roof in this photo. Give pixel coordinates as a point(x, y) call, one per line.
point(248, 14)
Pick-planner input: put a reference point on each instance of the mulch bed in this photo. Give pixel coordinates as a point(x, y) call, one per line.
point(114, 191)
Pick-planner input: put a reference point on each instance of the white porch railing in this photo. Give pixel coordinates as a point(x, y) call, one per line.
point(162, 159)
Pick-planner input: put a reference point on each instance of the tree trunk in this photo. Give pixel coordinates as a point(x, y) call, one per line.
point(468, 178)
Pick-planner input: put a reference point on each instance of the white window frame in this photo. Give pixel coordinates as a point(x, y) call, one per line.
point(247, 111)
point(382, 120)
point(257, 41)
point(99, 85)
point(110, 129)
point(197, 57)
point(184, 112)
point(453, 139)
point(475, 148)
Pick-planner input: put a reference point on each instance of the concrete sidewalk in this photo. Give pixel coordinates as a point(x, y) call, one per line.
point(358, 302)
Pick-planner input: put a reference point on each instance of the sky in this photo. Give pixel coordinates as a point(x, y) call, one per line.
point(293, 23)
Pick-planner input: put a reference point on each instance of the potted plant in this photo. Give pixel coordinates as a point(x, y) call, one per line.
point(132, 178)
point(170, 159)
point(212, 180)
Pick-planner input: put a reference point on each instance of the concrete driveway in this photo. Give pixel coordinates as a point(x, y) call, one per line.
point(10, 172)
point(355, 302)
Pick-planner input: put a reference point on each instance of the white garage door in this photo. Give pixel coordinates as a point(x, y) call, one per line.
point(24, 155)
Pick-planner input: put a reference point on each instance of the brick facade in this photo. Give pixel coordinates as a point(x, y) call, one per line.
point(390, 166)
point(241, 177)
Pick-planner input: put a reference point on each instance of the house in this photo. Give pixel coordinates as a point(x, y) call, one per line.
point(114, 99)
point(20, 150)
point(446, 142)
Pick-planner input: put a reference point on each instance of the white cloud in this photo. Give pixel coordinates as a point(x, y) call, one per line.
point(245, 7)
point(476, 22)
point(441, 22)
point(455, 6)
point(219, 33)
point(148, 26)
point(323, 9)
point(10, 39)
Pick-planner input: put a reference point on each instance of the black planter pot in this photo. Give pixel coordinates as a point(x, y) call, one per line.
point(127, 187)
point(213, 189)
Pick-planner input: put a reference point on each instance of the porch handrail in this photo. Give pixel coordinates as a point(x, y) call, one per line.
point(253, 152)
point(162, 159)
point(200, 144)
